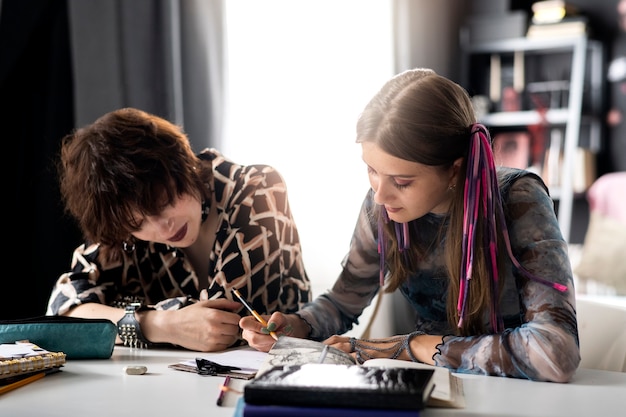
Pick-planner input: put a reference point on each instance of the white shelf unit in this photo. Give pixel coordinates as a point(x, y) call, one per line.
point(586, 56)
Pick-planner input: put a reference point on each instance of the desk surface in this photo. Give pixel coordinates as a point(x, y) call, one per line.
point(101, 388)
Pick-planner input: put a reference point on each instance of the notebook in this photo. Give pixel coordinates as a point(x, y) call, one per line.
point(24, 358)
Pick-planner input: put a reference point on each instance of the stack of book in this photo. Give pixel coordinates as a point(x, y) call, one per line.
point(305, 378)
point(556, 18)
point(552, 11)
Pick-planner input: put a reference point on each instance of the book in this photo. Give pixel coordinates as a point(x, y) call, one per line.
point(567, 27)
point(550, 11)
point(448, 391)
point(338, 386)
point(585, 170)
point(295, 351)
point(242, 409)
point(512, 149)
point(23, 358)
point(551, 173)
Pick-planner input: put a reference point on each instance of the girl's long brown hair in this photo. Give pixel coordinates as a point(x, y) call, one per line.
point(422, 117)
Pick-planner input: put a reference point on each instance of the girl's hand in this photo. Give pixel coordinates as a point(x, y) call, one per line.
point(258, 336)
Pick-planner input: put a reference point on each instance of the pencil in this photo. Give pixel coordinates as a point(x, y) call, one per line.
point(323, 354)
point(223, 389)
point(254, 313)
point(21, 382)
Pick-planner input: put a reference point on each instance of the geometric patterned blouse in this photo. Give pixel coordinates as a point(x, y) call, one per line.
point(257, 250)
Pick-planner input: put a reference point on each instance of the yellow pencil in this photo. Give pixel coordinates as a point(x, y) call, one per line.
point(21, 382)
point(254, 313)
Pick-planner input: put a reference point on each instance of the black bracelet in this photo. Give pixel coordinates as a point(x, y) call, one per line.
point(129, 330)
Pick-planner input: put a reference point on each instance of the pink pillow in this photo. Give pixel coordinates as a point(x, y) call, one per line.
point(607, 196)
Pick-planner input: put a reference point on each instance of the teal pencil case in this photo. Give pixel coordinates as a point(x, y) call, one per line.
point(78, 338)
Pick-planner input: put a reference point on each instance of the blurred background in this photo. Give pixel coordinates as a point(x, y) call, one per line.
point(279, 82)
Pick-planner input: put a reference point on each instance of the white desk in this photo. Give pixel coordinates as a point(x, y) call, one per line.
point(100, 388)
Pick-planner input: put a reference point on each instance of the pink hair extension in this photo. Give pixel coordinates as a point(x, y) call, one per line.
point(482, 190)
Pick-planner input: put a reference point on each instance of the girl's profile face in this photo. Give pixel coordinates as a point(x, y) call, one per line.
point(407, 189)
point(177, 225)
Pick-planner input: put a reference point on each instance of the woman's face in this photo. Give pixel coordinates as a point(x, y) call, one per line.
point(177, 225)
point(408, 190)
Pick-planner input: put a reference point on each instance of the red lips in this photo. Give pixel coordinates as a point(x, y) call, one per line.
point(179, 235)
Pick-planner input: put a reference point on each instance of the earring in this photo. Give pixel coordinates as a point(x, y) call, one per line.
point(128, 247)
point(206, 203)
point(451, 187)
point(206, 208)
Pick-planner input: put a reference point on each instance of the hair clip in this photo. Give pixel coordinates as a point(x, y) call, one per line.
point(207, 367)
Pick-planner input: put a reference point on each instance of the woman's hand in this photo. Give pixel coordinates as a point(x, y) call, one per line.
point(258, 336)
point(206, 326)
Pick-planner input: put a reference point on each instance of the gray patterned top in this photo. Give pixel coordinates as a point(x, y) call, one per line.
point(540, 340)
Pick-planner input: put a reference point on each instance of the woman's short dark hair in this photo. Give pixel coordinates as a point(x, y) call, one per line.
point(127, 162)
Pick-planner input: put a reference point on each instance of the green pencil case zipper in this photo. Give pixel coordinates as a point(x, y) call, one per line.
point(78, 338)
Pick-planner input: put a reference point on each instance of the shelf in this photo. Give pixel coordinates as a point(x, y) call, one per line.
point(553, 117)
point(573, 65)
point(526, 45)
point(524, 118)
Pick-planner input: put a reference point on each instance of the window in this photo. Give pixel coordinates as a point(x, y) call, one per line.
point(299, 73)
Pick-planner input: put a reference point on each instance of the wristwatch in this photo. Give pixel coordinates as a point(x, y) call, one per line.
point(129, 330)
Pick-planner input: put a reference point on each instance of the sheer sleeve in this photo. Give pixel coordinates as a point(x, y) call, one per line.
point(81, 284)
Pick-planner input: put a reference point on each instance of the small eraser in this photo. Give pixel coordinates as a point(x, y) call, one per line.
point(135, 369)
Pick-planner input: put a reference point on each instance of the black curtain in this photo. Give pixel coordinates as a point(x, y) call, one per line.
point(63, 63)
point(37, 111)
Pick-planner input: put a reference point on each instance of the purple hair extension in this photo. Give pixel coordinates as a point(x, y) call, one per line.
point(482, 190)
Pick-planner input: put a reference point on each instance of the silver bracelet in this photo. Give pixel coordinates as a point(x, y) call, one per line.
point(407, 344)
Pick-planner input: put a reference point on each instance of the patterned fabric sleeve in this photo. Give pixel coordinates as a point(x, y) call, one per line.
point(258, 247)
point(155, 275)
point(79, 285)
